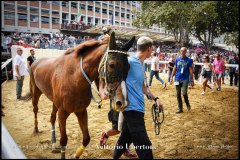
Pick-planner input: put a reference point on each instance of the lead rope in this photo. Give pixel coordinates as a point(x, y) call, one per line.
point(89, 81)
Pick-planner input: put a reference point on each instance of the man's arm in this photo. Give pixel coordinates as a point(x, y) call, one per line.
point(173, 73)
point(17, 71)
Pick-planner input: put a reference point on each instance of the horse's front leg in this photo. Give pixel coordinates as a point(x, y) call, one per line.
point(62, 117)
point(83, 122)
point(55, 149)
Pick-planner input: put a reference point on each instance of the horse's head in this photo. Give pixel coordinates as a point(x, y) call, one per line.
point(116, 70)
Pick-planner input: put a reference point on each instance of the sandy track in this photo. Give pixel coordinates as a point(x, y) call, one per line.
point(209, 130)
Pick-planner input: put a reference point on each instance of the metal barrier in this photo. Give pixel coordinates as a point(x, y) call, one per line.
point(10, 149)
point(4, 65)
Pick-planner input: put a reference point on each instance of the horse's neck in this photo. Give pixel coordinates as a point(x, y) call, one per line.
point(91, 64)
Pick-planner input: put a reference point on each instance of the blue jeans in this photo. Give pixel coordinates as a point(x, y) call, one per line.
point(152, 73)
point(183, 85)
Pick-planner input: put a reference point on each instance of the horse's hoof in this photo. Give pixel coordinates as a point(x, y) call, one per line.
point(74, 157)
point(36, 131)
point(56, 150)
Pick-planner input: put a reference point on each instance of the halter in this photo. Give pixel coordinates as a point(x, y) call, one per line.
point(104, 62)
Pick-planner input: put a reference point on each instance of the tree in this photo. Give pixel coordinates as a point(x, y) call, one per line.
point(206, 20)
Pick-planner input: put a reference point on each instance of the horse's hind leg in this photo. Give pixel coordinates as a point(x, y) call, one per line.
point(36, 93)
point(83, 122)
point(53, 120)
point(62, 117)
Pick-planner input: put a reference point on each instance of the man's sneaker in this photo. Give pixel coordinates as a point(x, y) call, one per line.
point(21, 98)
point(164, 85)
point(179, 111)
point(103, 139)
point(203, 92)
point(130, 155)
point(219, 88)
point(189, 107)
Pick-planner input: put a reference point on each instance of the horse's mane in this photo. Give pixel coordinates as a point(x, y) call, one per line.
point(81, 48)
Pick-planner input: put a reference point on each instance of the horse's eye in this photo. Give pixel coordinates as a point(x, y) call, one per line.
point(111, 66)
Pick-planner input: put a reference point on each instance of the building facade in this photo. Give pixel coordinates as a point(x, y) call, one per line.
point(48, 16)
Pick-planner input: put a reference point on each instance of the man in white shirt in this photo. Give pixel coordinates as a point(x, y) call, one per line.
point(20, 70)
point(155, 70)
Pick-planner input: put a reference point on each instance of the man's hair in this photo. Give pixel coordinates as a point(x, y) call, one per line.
point(143, 43)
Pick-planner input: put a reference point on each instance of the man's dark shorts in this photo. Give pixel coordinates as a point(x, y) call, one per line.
point(113, 117)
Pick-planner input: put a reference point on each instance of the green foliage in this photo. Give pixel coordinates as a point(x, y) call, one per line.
point(206, 20)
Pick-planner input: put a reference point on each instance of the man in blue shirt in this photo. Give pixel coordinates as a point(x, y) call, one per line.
point(182, 70)
point(133, 129)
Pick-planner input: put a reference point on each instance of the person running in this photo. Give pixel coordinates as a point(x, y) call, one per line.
point(207, 69)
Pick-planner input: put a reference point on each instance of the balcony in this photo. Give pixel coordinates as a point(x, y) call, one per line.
point(55, 7)
point(22, 23)
point(45, 25)
point(9, 22)
point(55, 26)
point(34, 3)
point(22, 2)
point(34, 24)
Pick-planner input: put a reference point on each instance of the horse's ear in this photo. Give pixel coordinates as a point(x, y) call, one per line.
point(112, 42)
point(80, 49)
point(129, 44)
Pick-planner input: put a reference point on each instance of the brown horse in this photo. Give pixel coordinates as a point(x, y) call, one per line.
point(62, 80)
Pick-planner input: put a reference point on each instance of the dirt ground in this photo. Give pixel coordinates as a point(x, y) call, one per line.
point(209, 130)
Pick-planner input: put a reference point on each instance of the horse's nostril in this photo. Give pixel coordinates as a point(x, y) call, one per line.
point(111, 65)
point(118, 103)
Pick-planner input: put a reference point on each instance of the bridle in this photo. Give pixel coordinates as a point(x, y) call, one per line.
point(103, 63)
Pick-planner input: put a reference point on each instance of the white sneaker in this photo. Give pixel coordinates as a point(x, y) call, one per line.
point(164, 85)
point(212, 90)
point(203, 93)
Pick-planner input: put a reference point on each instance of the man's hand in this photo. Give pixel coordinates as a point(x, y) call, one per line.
point(19, 78)
point(103, 94)
point(171, 81)
point(192, 83)
point(159, 104)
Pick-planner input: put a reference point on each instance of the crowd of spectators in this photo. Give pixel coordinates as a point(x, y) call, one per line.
point(51, 41)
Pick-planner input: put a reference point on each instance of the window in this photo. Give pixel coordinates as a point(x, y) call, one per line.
point(104, 11)
point(90, 20)
point(55, 20)
point(123, 15)
point(133, 16)
point(9, 6)
point(55, 13)
point(116, 7)
point(122, 24)
point(128, 2)
point(34, 10)
point(34, 18)
point(97, 3)
point(73, 17)
point(90, 8)
point(104, 5)
point(65, 16)
point(116, 14)
point(97, 21)
point(123, 9)
point(111, 6)
point(128, 10)
point(9, 15)
point(128, 24)
point(21, 8)
point(22, 16)
point(44, 11)
point(128, 16)
point(74, 5)
point(97, 10)
point(45, 19)
point(56, 3)
point(65, 3)
point(104, 21)
point(83, 6)
point(116, 23)
point(110, 12)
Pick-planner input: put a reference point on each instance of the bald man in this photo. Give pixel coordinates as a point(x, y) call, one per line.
point(182, 70)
